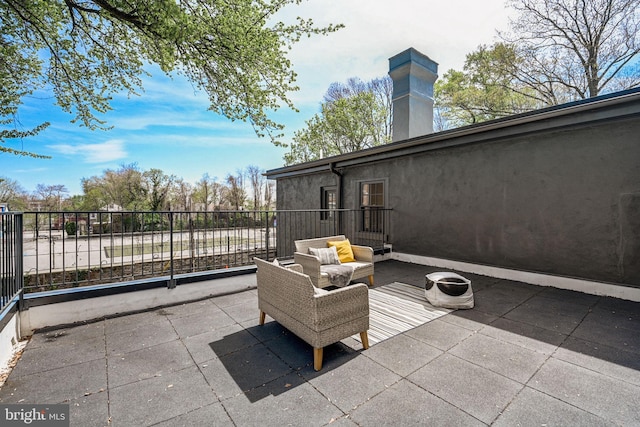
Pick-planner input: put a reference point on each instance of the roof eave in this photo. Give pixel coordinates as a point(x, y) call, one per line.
point(440, 139)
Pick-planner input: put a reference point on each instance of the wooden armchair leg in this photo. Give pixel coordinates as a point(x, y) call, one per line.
point(371, 280)
point(317, 358)
point(262, 316)
point(365, 339)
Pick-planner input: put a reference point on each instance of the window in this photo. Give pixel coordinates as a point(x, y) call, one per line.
point(372, 203)
point(329, 201)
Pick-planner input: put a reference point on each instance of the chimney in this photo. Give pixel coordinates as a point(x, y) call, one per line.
point(413, 75)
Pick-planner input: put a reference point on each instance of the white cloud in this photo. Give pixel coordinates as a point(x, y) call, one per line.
point(31, 171)
point(376, 30)
point(135, 119)
point(104, 152)
point(166, 111)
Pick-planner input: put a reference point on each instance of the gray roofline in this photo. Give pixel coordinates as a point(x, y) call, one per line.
point(499, 128)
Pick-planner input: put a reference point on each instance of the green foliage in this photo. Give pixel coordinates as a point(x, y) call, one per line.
point(74, 203)
point(484, 90)
point(353, 117)
point(153, 222)
point(71, 228)
point(236, 195)
point(86, 51)
point(179, 197)
point(157, 186)
point(11, 192)
point(558, 51)
point(131, 189)
point(12, 89)
point(123, 187)
point(207, 191)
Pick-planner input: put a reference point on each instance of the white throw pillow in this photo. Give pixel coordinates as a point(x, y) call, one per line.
point(326, 255)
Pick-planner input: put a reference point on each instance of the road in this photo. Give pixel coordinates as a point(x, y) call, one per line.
point(55, 251)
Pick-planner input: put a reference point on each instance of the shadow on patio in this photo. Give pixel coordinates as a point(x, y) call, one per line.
point(525, 354)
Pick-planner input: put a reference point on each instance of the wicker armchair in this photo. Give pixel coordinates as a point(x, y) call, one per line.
point(317, 316)
point(362, 267)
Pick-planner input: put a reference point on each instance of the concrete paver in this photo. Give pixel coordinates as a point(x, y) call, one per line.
point(524, 355)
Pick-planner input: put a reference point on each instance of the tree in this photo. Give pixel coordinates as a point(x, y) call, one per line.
point(123, 187)
point(256, 178)
point(484, 90)
point(269, 193)
point(557, 51)
point(13, 90)
point(353, 116)
point(575, 49)
point(84, 51)
point(75, 203)
point(11, 192)
point(94, 196)
point(236, 194)
point(382, 90)
point(157, 186)
point(51, 196)
point(181, 195)
point(207, 192)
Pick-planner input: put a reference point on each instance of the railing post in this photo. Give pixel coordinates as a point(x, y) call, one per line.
point(266, 234)
point(11, 262)
point(19, 261)
point(19, 228)
point(115, 242)
point(172, 280)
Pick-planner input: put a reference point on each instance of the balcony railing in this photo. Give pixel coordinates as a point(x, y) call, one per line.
point(11, 268)
point(72, 249)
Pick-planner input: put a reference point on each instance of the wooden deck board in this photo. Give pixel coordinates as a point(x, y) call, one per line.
point(396, 308)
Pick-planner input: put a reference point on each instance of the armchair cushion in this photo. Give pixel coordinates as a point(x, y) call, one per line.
point(327, 256)
point(345, 253)
point(320, 317)
point(362, 267)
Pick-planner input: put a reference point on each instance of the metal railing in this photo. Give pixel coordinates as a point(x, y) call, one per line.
point(71, 249)
point(11, 268)
point(355, 224)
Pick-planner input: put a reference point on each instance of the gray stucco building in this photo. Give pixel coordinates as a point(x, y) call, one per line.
point(551, 196)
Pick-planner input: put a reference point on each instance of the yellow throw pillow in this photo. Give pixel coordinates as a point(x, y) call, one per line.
point(344, 250)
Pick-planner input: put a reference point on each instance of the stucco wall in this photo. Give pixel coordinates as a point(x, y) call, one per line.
point(562, 201)
point(303, 192)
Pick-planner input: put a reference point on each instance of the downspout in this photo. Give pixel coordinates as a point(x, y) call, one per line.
point(332, 167)
point(334, 171)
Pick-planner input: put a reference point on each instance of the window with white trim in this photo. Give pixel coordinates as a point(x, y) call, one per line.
point(371, 204)
point(329, 201)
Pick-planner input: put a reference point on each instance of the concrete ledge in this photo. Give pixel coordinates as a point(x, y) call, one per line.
point(9, 336)
point(72, 294)
point(113, 305)
point(580, 285)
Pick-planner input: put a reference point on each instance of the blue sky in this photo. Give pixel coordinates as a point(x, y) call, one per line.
point(169, 127)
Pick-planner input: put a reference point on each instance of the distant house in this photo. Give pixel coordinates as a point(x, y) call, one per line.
point(112, 207)
point(550, 196)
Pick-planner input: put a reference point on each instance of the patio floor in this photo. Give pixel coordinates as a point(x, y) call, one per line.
point(525, 355)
